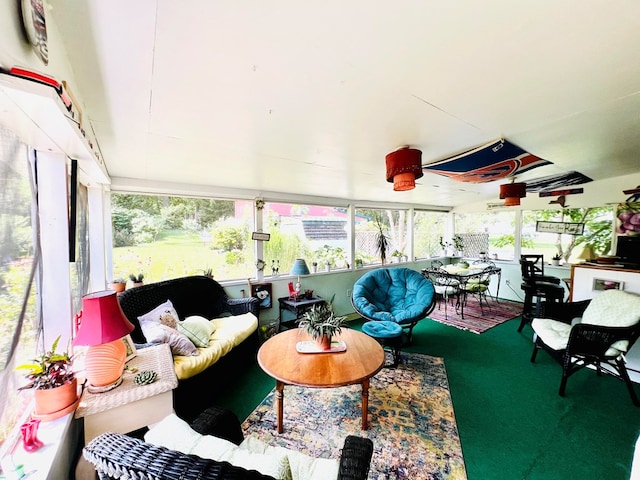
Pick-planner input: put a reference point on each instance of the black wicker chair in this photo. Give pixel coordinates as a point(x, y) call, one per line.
point(120, 456)
point(587, 344)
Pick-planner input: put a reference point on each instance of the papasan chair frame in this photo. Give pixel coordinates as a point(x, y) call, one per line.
point(399, 295)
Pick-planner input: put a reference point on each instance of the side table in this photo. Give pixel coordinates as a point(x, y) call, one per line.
point(129, 406)
point(297, 307)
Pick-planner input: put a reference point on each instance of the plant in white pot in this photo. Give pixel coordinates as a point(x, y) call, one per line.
point(54, 382)
point(321, 323)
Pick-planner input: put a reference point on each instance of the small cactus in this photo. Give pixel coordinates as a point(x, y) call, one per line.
point(145, 378)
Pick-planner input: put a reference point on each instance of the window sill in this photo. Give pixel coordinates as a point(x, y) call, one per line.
point(52, 461)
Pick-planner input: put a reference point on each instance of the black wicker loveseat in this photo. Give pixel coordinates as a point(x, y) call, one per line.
point(120, 456)
point(203, 296)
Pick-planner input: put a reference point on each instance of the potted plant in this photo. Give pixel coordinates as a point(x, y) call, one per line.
point(208, 272)
point(397, 256)
point(321, 323)
point(136, 279)
point(382, 241)
point(54, 382)
point(118, 285)
point(555, 260)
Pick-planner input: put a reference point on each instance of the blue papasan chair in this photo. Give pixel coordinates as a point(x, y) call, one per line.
point(399, 295)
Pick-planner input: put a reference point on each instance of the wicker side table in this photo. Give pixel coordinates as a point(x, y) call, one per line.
point(129, 406)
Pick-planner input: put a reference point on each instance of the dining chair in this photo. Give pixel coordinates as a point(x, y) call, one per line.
point(446, 287)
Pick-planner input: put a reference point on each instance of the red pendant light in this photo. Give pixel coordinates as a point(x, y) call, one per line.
point(511, 193)
point(403, 167)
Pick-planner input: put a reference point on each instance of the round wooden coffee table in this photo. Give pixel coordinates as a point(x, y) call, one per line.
point(362, 359)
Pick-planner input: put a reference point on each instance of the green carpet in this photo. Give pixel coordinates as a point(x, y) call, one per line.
point(511, 421)
point(411, 421)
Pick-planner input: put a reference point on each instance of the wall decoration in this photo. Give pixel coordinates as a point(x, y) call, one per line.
point(554, 182)
point(628, 218)
point(560, 227)
point(492, 161)
point(35, 26)
point(562, 193)
point(262, 291)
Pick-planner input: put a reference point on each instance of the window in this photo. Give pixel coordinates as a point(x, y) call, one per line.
point(316, 233)
point(491, 231)
point(372, 225)
point(597, 234)
point(428, 228)
point(167, 237)
point(17, 286)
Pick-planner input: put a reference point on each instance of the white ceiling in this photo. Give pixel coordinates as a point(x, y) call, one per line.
point(309, 97)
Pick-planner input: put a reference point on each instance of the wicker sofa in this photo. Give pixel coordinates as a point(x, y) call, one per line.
point(120, 456)
point(203, 296)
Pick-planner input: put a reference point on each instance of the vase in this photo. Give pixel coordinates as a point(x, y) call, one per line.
point(55, 401)
point(324, 342)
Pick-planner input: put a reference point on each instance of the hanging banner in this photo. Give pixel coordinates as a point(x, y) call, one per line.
point(560, 227)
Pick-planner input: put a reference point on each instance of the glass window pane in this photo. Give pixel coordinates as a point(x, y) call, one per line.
point(316, 233)
point(376, 228)
point(167, 237)
point(494, 231)
point(598, 232)
point(428, 229)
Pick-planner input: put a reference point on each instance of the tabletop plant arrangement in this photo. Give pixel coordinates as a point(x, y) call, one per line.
point(321, 323)
point(54, 382)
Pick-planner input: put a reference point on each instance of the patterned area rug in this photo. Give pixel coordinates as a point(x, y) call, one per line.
point(474, 320)
point(411, 421)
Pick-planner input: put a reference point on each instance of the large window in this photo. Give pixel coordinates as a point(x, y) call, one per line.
point(167, 237)
point(428, 228)
point(17, 284)
point(492, 232)
point(598, 232)
point(316, 233)
point(380, 230)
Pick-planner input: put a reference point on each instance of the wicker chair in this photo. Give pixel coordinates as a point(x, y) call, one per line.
point(120, 456)
point(603, 330)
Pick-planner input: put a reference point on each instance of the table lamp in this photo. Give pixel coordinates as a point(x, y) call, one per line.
point(299, 268)
point(102, 324)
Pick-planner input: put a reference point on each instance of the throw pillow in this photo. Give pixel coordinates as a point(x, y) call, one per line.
point(159, 326)
point(173, 433)
point(197, 329)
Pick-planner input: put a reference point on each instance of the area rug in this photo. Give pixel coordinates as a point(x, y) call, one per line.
point(411, 421)
point(474, 319)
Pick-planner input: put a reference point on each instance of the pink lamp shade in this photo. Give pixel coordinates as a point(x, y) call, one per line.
point(403, 167)
point(102, 326)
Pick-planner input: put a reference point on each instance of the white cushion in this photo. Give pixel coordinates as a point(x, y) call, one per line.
point(553, 333)
point(613, 308)
point(175, 434)
point(303, 467)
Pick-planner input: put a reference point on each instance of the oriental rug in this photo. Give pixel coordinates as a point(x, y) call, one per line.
point(474, 319)
point(411, 421)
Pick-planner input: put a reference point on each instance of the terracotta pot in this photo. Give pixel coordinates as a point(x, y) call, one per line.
point(118, 287)
point(54, 400)
point(324, 342)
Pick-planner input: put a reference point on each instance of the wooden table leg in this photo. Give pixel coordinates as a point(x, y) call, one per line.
point(365, 402)
point(279, 402)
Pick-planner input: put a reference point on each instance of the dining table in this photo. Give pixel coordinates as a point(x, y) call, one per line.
point(464, 273)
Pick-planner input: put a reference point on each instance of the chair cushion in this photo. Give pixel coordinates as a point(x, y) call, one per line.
point(613, 308)
point(553, 333)
point(175, 434)
point(398, 295)
point(445, 290)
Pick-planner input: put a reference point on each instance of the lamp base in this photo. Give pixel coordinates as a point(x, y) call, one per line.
point(104, 388)
point(104, 364)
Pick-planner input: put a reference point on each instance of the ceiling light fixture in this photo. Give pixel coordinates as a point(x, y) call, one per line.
point(511, 193)
point(403, 167)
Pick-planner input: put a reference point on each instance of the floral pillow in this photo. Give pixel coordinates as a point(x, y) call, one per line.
point(159, 326)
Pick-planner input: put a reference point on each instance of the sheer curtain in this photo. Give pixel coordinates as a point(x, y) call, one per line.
point(19, 321)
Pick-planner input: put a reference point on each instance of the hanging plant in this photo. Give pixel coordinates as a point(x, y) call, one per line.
point(382, 241)
point(259, 203)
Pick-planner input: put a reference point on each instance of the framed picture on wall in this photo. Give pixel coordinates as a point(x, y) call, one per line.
point(602, 284)
point(262, 291)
